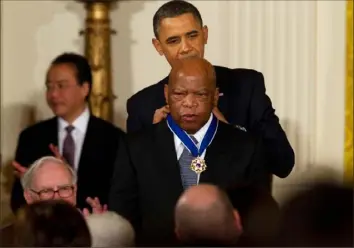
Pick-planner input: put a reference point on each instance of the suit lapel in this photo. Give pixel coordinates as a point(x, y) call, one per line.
point(167, 162)
point(216, 156)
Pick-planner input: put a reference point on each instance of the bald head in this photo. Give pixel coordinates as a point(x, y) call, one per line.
point(193, 67)
point(204, 213)
point(191, 93)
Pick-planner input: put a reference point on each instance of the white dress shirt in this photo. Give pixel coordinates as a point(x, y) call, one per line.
point(199, 136)
point(78, 134)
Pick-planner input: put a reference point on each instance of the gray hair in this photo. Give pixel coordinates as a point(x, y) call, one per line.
point(27, 178)
point(110, 230)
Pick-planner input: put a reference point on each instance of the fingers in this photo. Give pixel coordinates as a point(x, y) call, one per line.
point(105, 207)
point(85, 212)
point(161, 114)
point(19, 169)
point(96, 205)
point(166, 109)
point(219, 115)
point(55, 151)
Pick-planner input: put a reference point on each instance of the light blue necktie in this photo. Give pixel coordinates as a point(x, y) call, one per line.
point(189, 177)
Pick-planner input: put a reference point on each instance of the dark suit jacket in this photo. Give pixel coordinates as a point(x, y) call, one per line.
point(147, 184)
point(95, 165)
point(244, 102)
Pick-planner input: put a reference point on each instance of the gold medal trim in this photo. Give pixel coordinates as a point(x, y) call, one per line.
point(198, 165)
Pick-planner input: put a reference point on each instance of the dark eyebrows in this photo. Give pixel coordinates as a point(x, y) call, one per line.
point(193, 32)
point(179, 89)
point(169, 39)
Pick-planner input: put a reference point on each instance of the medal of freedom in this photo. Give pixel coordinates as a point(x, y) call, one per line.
point(198, 165)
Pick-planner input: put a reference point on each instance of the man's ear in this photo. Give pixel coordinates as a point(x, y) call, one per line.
point(216, 97)
point(157, 46)
point(28, 197)
point(85, 89)
point(205, 34)
point(165, 91)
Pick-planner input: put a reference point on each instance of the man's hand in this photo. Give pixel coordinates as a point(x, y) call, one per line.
point(20, 170)
point(55, 151)
point(96, 206)
point(160, 114)
point(219, 115)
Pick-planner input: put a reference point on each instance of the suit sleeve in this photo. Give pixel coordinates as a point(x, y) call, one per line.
point(124, 195)
point(133, 121)
point(263, 121)
point(22, 157)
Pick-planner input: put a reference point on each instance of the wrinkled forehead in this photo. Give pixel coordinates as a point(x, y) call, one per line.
point(51, 175)
point(200, 75)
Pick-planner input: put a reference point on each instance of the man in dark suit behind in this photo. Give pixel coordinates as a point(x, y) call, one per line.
point(154, 166)
point(89, 144)
point(179, 33)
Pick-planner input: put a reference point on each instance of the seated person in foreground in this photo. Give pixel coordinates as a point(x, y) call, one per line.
point(110, 230)
point(53, 223)
point(259, 213)
point(191, 146)
point(321, 216)
point(204, 216)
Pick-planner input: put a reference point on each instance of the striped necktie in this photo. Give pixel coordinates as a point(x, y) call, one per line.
point(69, 147)
point(189, 177)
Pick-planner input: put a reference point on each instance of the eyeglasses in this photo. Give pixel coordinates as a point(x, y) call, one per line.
point(63, 192)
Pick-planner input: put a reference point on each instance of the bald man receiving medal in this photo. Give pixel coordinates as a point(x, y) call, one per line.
point(189, 147)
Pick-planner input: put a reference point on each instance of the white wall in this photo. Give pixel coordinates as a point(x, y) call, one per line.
point(298, 45)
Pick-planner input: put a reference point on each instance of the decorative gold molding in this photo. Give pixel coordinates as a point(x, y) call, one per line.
point(348, 150)
point(98, 51)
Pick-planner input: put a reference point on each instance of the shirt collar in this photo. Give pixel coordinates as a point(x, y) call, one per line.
point(199, 135)
point(80, 123)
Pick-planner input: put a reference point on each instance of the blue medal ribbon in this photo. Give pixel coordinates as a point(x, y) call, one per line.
point(186, 139)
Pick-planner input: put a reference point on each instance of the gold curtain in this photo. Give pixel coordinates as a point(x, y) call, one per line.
point(348, 152)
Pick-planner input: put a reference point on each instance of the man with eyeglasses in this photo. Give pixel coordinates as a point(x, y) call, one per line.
point(46, 179)
point(50, 178)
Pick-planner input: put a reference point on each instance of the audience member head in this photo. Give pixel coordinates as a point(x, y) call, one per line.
point(49, 178)
point(191, 93)
point(204, 216)
point(259, 213)
point(68, 83)
point(319, 216)
point(110, 230)
point(52, 223)
point(179, 31)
